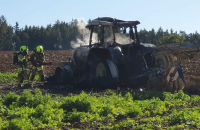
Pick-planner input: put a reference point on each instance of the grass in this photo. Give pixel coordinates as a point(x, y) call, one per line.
point(106, 110)
point(8, 77)
point(11, 77)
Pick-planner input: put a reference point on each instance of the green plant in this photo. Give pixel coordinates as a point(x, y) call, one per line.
point(105, 110)
point(10, 98)
point(81, 103)
point(77, 116)
point(8, 77)
point(134, 111)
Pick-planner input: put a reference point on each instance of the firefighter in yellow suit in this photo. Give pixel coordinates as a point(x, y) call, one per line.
point(22, 67)
point(37, 58)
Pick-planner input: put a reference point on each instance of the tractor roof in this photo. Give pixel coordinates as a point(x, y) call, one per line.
point(108, 21)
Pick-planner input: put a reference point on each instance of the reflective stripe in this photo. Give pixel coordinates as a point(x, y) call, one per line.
point(24, 68)
point(33, 67)
point(20, 60)
point(26, 82)
point(32, 77)
point(39, 68)
point(19, 70)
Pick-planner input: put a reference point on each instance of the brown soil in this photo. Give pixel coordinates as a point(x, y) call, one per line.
point(191, 67)
point(6, 60)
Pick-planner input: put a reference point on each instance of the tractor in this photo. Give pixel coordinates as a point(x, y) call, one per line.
point(117, 58)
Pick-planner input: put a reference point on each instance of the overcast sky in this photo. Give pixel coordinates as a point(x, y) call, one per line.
point(176, 14)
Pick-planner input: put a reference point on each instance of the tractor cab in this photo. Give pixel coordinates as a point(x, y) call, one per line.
point(112, 32)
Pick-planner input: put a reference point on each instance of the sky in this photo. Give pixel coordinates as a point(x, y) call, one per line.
point(176, 14)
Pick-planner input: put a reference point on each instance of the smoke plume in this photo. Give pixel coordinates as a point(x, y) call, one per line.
point(122, 39)
point(84, 36)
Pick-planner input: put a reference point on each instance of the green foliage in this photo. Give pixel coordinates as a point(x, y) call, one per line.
point(19, 123)
point(128, 123)
point(4, 124)
point(77, 116)
point(147, 95)
point(48, 115)
point(195, 99)
point(8, 77)
point(178, 96)
point(80, 103)
point(31, 111)
point(106, 110)
point(11, 77)
point(134, 111)
point(32, 100)
point(189, 116)
point(6, 33)
point(174, 38)
point(10, 98)
point(26, 99)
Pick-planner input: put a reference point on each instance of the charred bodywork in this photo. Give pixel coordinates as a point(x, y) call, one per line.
point(107, 63)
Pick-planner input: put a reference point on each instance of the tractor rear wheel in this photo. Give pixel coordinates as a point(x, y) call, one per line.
point(58, 75)
point(103, 74)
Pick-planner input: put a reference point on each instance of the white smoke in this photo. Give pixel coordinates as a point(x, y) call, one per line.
point(122, 39)
point(147, 44)
point(84, 37)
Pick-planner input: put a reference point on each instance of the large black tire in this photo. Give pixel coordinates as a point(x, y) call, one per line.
point(58, 75)
point(103, 74)
point(67, 76)
point(64, 75)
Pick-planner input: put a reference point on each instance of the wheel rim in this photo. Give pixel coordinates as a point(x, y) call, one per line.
point(101, 70)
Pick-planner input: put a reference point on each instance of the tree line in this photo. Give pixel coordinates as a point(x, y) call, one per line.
point(60, 34)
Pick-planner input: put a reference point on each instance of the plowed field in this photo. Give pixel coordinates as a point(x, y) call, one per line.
point(191, 67)
point(6, 60)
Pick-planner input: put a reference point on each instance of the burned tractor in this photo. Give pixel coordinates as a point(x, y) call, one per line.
point(115, 59)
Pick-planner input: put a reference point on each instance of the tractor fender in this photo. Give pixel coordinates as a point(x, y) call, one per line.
point(116, 54)
point(96, 54)
point(80, 57)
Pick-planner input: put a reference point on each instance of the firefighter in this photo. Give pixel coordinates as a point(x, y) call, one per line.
point(22, 67)
point(37, 58)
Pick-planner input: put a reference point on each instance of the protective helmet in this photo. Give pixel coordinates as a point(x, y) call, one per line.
point(23, 49)
point(39, 49)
